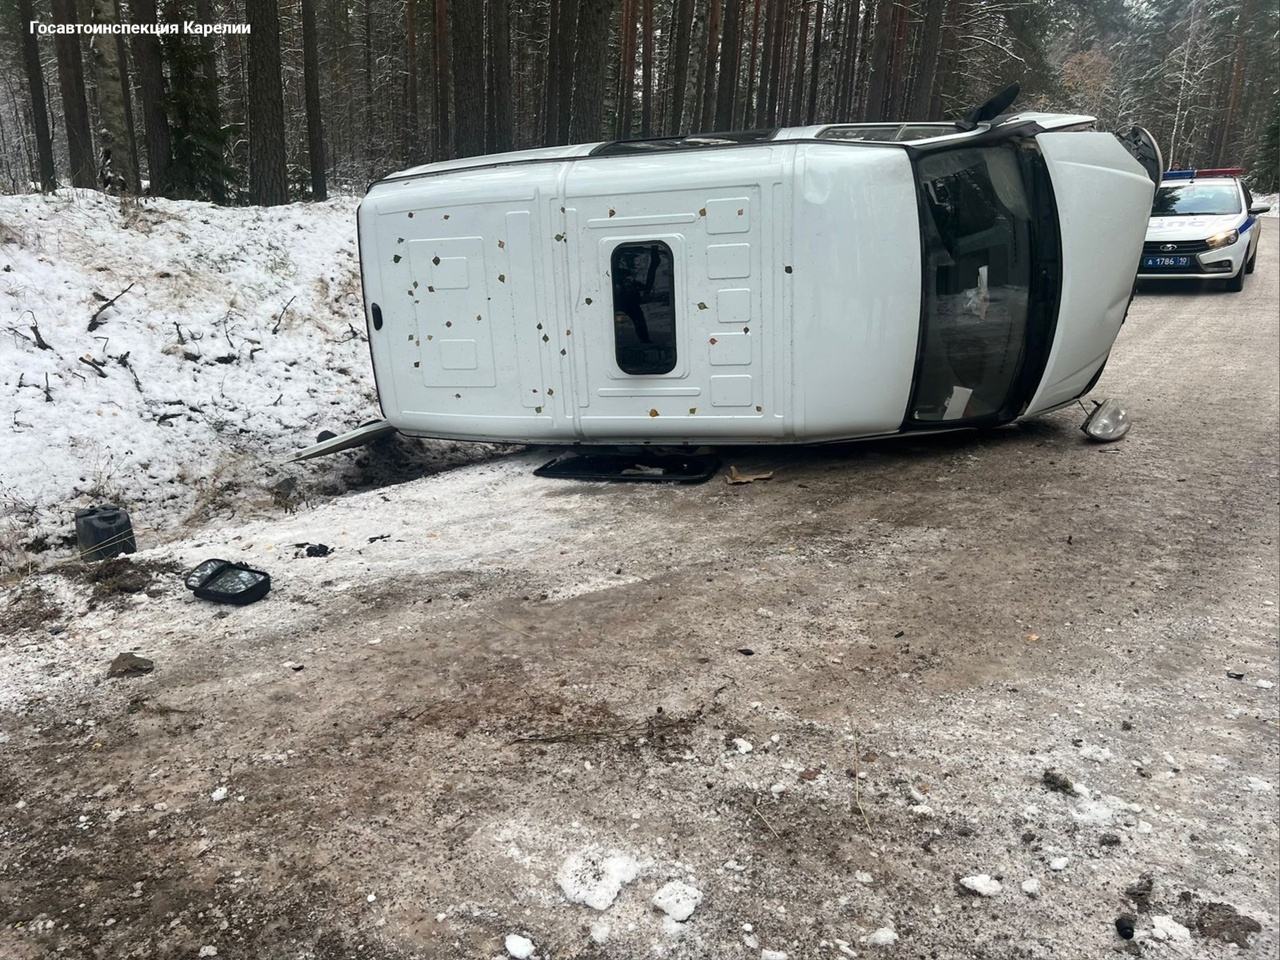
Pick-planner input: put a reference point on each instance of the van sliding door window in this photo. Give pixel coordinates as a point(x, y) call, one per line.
point(977, 226)
point(644, 322)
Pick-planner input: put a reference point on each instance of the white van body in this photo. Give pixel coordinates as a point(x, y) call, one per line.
point(803, 285)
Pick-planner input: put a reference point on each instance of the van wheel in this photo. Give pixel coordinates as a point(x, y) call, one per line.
point(1236, 284)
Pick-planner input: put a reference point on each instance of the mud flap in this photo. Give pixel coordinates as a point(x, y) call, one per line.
point(352, 438)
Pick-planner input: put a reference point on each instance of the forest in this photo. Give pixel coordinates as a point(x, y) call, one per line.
point(322, 96)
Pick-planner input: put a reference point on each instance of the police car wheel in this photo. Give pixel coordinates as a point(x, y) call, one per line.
point(1249, 264)
point(1235, 284)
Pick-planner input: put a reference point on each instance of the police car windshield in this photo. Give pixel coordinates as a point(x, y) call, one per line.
point(1197, 199)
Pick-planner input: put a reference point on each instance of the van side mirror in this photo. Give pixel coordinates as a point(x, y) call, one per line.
point(1107, 422)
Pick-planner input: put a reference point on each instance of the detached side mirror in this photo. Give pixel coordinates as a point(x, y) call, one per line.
point(1260, 208)
point(1107, 422)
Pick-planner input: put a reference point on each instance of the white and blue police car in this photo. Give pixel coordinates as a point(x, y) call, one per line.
point(1204, 226)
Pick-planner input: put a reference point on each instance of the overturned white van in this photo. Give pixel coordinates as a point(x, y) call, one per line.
point(799, 285)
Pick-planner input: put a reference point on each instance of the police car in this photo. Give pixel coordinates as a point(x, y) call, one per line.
point(1203, 226)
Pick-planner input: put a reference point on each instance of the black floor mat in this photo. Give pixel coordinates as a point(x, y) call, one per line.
point(631, 467)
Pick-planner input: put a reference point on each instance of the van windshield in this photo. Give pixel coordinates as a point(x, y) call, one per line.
point(976, 221)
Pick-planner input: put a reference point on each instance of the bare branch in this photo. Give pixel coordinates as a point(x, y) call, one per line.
point(123, 360)
point(280, 318)
point(1006, 52)
point(35, 329)
point(94, 365)
point(94, 322)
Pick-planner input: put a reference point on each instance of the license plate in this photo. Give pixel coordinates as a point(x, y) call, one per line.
point(1166, 261)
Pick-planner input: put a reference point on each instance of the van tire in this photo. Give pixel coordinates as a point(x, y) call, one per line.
point(1235, 284)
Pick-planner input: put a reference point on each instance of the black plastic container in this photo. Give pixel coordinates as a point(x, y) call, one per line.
point(103, 532)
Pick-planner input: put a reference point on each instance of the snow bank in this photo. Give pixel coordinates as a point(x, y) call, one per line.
point(235, 336)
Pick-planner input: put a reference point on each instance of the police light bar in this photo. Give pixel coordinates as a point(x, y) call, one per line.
point(1214, 172)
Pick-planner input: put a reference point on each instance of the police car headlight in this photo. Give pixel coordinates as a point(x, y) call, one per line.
point(1224, 239)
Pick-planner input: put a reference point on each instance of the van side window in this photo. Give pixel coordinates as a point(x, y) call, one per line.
point(644, 323)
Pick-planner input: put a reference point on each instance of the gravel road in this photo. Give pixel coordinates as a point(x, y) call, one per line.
point(956, 697)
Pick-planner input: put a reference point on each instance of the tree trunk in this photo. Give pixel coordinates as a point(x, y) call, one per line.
point(706, 115)
point(147, 57)
point(367, 150)
point(74, 107)
point(268, 180)
point(588, 70)
point(786, 56)
point(862, 64)
point(777, 59)
point(946, 61)
point(126, 87)
point(730, 49)
point(115, 155)
point(930, 43)
point(410, 149)
point(748, 100)
point(39, 110)
point(468, 78)
point(646, 70)
point(763, 116)
point(811, 112)
point(500, 57)
point(873, 109)
point(444, 147)
point(843, 109)
point(801, 55)
point(315, 126)
point(1237, 78)
point(336, 45)
point(570, 13)
point(209, 69)
point(555, 61)
point(626, 70)
point(680, 62)
point(898, 78)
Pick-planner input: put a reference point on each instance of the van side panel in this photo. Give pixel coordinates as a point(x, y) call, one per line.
point(854, 274)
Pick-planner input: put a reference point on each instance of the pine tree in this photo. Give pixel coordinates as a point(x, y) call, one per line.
point(197, 139)
point(35, 84)
point(74, 107)
point(268, 184)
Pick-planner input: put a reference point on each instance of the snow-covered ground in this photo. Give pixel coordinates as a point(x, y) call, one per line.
point(236, 335)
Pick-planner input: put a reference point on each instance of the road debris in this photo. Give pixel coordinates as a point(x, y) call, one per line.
point(129, 665)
